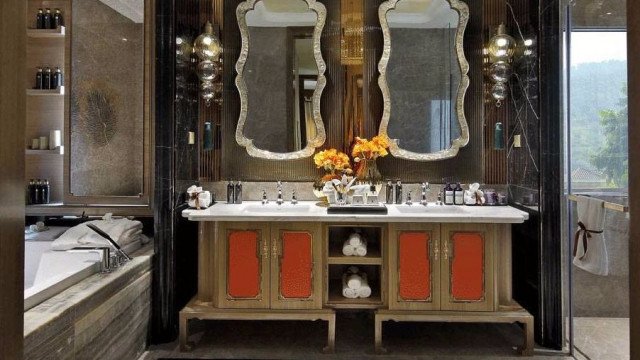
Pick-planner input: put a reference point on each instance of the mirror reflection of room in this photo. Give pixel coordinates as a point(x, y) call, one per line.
point(280, 74)
point(423, 75)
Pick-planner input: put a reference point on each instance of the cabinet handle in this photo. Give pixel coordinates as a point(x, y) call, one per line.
point(436, 250)
point(265, 249)
point(445, 250)
point(274, 248)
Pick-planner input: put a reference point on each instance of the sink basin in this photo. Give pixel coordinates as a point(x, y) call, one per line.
point(437, 209)
point(276, 209)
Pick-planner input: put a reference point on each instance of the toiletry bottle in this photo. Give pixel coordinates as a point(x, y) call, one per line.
point(38, 192)
point(31, 192)
point(389, 192)
point(46, 19)
point(231, 189)
point(46, 79)
point(46, 192)
point(58, 20)
point(39, 75)
point(237, 196)
point(458, 195)
point(56, 79)
point(448, 194)
point(40, 19)
point(398, 192)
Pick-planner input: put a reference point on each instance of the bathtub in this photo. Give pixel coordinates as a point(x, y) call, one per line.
point(48, 272)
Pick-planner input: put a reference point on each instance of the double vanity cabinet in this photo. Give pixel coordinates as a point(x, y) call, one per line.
point(434, 263)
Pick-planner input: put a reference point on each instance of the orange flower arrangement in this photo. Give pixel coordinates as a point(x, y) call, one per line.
point(370, 149)
point(332, 161)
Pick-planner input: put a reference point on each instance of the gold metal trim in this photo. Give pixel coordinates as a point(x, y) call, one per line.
point(484, 270)
point(463, 140)
point(321, 136)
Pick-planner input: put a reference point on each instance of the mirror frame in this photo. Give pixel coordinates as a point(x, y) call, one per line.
point(321, 136)
point(463, 13)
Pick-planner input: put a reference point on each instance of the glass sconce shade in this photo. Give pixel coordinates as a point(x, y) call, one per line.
point(207, 46)
point(208, 70)
point(499, 91)
point(501, 46)
point(500, 71)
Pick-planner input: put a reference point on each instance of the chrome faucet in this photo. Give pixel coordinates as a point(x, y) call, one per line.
point(106, 265)
point(294, 198)
point(409, 202)
point(265, 200)
point(425, 188)
point(279, 200)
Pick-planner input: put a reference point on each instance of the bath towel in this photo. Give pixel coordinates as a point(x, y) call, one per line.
point(122, 231)
point(589, 245)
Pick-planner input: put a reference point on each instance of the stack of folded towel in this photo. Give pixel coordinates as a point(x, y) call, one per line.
point(355, 284)
point(355, 245)
point(122, 231)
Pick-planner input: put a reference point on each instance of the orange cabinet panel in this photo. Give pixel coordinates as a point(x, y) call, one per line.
point(414, 266)
point(467, 266)
point(296, 265)
point(243, 271)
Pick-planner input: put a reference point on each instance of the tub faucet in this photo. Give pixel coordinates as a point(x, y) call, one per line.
point(279, 200)
point(123, 257)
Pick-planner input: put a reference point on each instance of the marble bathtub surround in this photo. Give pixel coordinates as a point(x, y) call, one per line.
point(304, 190)
point(103, 316)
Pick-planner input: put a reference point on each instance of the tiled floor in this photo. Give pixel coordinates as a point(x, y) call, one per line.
point(601, 338)
point(304, 340)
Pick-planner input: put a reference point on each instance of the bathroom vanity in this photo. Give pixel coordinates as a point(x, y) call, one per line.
point(424, 263)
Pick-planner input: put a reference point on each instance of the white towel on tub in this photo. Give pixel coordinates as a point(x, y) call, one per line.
point(589, 244)
point(122, 231)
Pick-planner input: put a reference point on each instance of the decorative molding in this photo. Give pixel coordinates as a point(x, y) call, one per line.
point(321, 136)
point(463, 140)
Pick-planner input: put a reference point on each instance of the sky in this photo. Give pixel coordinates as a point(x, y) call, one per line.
point(589, 47)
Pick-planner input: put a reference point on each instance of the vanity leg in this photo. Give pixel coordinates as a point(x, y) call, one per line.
point(184, 333)
point(378, 336)
point(527, 347)
point(331, 335)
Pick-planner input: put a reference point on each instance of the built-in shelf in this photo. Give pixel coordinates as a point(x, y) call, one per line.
point(57, 209)
point(337, 301)
point(46, 33)
point(46, 92)
point(372, 258)
point(56, 151)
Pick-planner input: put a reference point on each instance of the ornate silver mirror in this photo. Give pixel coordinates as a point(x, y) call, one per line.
point(423, 77)
point(280, 78)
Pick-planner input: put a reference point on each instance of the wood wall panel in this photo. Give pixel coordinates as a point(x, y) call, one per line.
point(12, 191)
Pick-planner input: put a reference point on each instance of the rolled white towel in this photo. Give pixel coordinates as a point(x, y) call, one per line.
point(361, 250)
point(348, 249)
point(354, 281)
point(348, 292)
point(355, 239)
point(365, 290)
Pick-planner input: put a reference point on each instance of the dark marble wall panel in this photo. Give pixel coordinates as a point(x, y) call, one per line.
point(107, 117)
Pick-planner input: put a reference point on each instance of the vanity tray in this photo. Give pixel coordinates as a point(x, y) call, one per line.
point(357, 209)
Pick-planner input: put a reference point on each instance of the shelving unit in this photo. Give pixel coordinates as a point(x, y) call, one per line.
point(372, 264)
point(46, 109)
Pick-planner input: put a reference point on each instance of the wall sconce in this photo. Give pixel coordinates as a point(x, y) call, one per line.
point(209, 49)
point(500, 50)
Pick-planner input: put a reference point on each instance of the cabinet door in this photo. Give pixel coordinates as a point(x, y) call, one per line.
point(296, 279)
point(244, 265)
point(414, 267)
point(467, 267)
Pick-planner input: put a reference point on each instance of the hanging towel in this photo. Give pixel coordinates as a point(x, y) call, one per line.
point(589, 245)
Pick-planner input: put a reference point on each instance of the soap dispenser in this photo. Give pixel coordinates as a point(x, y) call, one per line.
point(448, 195)
point(231, 190)
point(398, 192)
point(458, 195)
point(237, 195)
point(389, 192)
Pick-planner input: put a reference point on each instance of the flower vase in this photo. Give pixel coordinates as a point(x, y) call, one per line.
point(368, 171)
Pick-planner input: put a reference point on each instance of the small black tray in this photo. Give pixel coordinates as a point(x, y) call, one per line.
point(357, 209)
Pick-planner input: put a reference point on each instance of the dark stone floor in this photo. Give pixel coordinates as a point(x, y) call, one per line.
point(354, 340)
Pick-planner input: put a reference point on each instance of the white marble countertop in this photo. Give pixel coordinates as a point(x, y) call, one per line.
point(310, 211)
